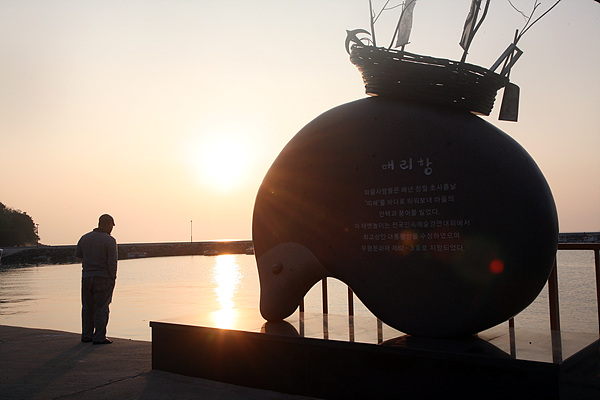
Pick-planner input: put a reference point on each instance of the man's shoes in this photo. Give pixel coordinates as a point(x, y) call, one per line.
point(86, 340)
point(105, 341)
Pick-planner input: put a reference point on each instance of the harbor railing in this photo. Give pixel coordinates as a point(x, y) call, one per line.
point(553, 298)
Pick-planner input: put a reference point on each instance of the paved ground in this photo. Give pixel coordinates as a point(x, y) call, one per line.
point(47, 364)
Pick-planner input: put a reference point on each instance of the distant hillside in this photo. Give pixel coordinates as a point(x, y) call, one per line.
point(16, 228)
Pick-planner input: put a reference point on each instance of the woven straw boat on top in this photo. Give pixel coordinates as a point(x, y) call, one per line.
point(412, 77)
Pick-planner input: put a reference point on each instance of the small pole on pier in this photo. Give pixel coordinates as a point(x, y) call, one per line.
point(350, 315)
point(597, 265)
point(379, 331)
point(553, 299)
point(191, 231)
point(350, 302)
point(512, 338)
point(324, 290)
point(554, 315)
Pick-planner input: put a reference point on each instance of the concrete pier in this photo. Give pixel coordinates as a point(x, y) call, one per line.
point(48, 364)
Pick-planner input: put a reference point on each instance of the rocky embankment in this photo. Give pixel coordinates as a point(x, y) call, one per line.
point(579, 237)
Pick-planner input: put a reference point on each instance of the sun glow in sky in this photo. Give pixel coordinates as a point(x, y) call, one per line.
point(162, 112)
point(223, 162)
point(221, 154)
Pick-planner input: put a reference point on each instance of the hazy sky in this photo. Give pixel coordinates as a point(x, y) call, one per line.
point(164, 112)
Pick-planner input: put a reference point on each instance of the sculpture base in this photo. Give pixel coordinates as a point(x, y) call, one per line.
point(333, 356)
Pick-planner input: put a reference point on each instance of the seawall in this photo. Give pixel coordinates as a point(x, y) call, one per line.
point(66, 254)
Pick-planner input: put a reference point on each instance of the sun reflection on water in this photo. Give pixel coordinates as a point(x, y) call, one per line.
point(227, 276)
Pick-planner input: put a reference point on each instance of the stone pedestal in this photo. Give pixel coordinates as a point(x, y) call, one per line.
point(341, 357)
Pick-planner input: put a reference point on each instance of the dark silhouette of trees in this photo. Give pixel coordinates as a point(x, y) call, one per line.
point(16, 228)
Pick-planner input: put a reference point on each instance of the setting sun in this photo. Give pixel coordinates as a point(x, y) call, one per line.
point(223, 162)
point(221, 159)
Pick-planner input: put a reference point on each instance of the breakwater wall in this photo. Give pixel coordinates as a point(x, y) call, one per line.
point(579, 237)
point(66, 254)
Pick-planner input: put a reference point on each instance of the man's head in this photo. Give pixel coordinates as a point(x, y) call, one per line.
point(106, 223)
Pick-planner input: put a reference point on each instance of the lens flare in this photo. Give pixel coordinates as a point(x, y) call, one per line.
point(496, 266)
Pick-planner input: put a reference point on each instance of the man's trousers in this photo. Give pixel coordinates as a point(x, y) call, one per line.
point(96, 295)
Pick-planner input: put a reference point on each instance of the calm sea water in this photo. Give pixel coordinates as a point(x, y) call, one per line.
point(48, 296)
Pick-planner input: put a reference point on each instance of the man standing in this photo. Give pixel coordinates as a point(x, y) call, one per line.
point(98, 249)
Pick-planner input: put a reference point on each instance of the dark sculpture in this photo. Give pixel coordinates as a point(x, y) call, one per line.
point(442, 224)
